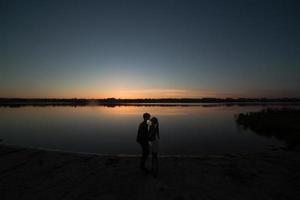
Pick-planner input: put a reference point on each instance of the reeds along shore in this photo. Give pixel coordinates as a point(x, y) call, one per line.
point(284, 124)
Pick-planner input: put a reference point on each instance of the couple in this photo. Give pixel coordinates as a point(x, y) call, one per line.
point(148, 134)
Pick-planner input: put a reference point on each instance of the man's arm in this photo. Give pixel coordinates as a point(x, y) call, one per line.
point(139, 134)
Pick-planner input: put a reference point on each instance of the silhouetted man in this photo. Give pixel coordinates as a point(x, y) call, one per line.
point(143, 139)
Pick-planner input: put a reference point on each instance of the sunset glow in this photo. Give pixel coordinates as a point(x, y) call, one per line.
point(149, 49)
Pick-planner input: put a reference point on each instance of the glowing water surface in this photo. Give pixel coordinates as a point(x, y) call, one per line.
point(112, 130)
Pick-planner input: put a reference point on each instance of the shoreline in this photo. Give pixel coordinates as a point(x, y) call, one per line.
point(29, 173)
point(277, 149)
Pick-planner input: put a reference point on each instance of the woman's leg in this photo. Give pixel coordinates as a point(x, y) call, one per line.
point(155, 163)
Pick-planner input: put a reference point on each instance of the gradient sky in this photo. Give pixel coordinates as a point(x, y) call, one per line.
point(130, 49)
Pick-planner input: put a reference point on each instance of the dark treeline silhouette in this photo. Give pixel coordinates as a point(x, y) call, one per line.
point(283, 124)
point(161, 101)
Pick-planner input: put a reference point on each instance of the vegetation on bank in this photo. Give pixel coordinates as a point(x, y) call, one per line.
point(283, 124)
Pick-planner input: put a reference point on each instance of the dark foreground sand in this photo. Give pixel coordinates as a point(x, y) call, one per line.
point(39, 174)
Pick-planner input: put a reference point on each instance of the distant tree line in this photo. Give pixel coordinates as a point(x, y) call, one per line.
point(114, 101)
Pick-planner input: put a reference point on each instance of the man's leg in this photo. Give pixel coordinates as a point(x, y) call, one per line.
point(145, 154)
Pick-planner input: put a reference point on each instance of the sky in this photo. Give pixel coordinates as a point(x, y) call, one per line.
point(149, 49)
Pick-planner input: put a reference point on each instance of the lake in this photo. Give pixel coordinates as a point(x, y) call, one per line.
point(186, 129)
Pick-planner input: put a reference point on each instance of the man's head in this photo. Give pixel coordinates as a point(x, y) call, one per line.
point(146, 116)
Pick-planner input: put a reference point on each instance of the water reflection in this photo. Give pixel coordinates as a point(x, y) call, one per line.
point(112, 130)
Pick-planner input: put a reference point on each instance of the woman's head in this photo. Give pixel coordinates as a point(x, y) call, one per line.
point(154, 121)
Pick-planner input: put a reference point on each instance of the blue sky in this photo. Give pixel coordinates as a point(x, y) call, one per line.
point(130, 49)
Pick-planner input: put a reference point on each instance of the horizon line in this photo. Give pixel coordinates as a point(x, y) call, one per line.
point(164, 98)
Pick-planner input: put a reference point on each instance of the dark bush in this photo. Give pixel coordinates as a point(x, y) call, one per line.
point(283, 124)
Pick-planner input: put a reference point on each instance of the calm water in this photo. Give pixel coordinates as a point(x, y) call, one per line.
point(112, 130)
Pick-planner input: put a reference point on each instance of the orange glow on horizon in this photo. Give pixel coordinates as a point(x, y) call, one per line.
point(96, 93)
point(115, 93)
point(152, 93)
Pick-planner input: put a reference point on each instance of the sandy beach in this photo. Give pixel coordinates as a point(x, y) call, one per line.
point(27, 173)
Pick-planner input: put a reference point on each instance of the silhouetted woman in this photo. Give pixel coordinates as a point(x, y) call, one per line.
point(154, 139)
